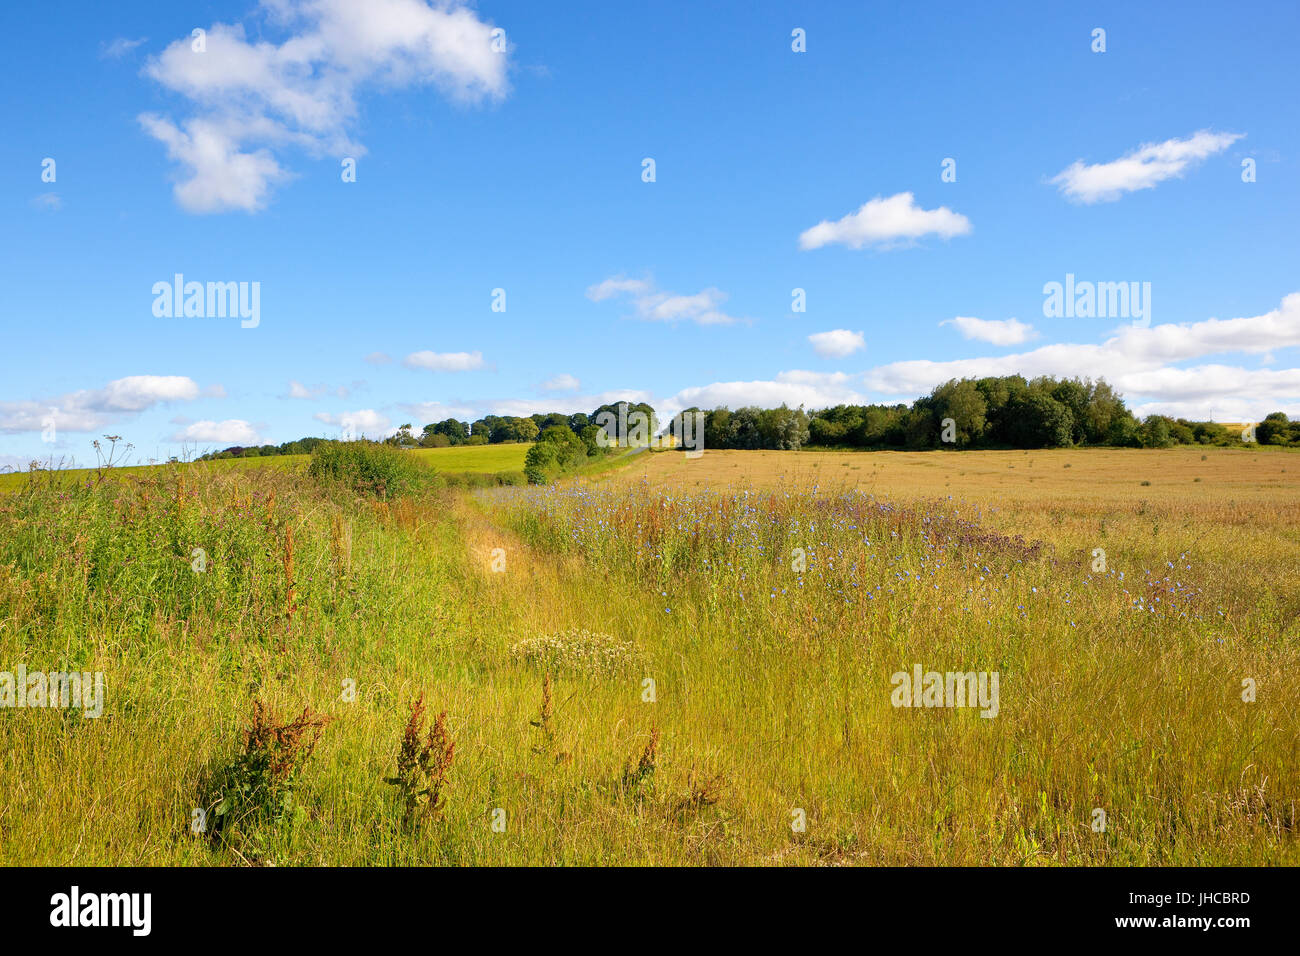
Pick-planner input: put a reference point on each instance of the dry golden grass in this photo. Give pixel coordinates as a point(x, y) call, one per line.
point(1238, 509)
point(1090, 478)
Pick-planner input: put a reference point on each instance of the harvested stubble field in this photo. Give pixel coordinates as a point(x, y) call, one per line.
point(677, 662)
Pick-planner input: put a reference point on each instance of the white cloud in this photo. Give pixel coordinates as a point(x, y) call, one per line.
point(1143, 168)
point(91, 409)
point(221, 177)
point(50, 202)
point(993, 331)
point(656, 306)
point(120, 47)
point(427, 412)
point(561, 383)
point(137, 392)
point(364, 421)
point(233, 431)
point(617, 285)
point(800, 377)
point(837, 343)
point(378, 358)
point(250, 97)
point(1137, 361)
point(791, 389)
point(886, 222)
point(445, 361)
point(1226, 409)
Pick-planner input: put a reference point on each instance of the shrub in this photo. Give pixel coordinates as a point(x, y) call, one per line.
point(1273, 430)
point(541, 464)
point(369, 468)
point(559, 451)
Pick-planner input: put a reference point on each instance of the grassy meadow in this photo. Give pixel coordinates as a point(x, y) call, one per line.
point(460, 459)
point(662, 662)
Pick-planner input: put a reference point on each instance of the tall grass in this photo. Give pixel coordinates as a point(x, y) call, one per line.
point(704, 664)
point(368, 468)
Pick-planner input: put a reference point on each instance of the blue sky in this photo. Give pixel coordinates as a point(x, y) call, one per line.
point(521, 169)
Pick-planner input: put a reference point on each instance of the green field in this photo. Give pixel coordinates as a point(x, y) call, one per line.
point(462, 459)
point(476, 459)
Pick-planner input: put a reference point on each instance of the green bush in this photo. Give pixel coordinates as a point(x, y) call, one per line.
point(369, 468)
point(559, 451)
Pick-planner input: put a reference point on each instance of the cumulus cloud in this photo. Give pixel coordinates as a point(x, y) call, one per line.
point(91, 409)
point(1143, 168)
point(363, 421)
point(445, 361)
point(233, 431)
point(993, 331)
point(837, 343)
point(426, 412)
point(824, 379)
point(809, 389)
point(219, 176)
point(378, 358)
point(655, 305)
point(561, 383)
point(138, 392)
point(886, 222)
point(249, 98)
point(1140, 363)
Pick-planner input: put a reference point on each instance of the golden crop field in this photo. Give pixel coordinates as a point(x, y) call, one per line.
point(720, 661)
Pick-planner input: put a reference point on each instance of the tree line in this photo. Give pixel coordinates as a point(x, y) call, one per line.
point(994, 412)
